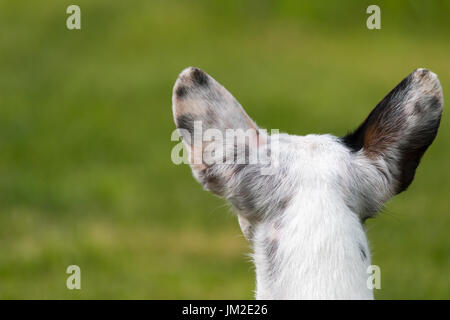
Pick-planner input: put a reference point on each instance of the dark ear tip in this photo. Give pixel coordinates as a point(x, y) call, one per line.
point(194, 75)
point(199, 77)
point(186, 72)
point(188, 79)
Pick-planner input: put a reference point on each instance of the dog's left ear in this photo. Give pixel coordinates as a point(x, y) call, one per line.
point(200, 102)
point(401, 128)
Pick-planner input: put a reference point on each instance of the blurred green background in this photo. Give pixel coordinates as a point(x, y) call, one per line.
point(85, 121)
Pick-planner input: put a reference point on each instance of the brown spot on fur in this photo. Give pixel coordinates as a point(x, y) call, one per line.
point(381, 121)
point(377, 139)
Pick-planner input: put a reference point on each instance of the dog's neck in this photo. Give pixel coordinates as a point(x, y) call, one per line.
point(316, 250)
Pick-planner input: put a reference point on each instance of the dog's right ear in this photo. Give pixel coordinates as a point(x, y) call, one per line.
point(200, 104)
point(400, 128)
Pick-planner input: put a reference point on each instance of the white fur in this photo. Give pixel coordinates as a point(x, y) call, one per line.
point(318, 242)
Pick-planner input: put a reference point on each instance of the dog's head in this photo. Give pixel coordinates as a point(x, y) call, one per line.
point(261, 174)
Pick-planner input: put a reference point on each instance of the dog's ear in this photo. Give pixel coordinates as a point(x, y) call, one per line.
point(401, 128)
point(204, 111)
point(198, 97)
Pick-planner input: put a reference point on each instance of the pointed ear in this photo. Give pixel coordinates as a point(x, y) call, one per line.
point(401, 128)
point(203, 111)
point(198, 97)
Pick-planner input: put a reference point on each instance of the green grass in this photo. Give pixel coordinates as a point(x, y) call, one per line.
point(85, 123)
